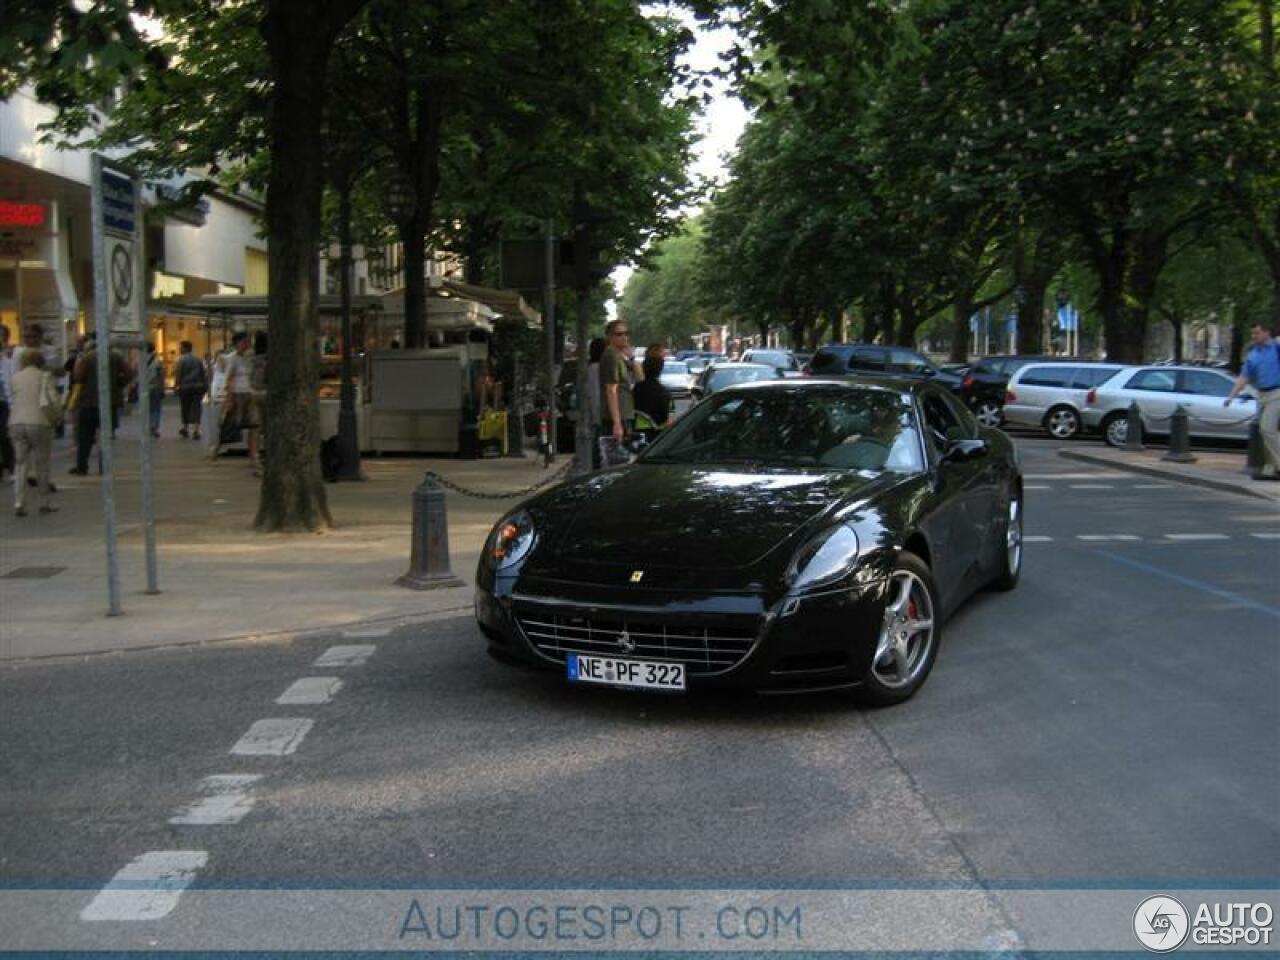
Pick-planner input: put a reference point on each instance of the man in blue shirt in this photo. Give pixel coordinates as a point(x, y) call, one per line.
point(1262, 370)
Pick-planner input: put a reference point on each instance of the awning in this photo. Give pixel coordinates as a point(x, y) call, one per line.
point(251, 305)
point(505, 303)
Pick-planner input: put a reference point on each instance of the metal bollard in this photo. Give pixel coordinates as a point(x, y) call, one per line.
point(1179, 438)
point(429, 560)
point(1254, 458)
point(1133, 428)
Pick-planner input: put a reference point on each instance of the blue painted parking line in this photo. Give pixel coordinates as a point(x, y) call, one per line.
point(1193, 583)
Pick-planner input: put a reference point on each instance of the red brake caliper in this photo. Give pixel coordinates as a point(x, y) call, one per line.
point(911, 609)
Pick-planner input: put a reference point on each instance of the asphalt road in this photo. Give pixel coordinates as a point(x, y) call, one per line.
point(1113, 721)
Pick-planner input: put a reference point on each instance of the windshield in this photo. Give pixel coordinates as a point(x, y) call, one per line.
point(775, 357)
point(721, 377)
point(675, 366)
point(837, 428)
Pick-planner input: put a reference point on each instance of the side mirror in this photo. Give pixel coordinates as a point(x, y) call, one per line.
point(960, 449)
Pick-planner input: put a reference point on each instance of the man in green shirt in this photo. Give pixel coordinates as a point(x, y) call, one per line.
point(617, 404)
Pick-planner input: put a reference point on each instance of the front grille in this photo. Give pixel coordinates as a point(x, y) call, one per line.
point(703, 650)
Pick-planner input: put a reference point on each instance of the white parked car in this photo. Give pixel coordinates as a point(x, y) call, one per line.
point(1158, 390)
point(1052, 395)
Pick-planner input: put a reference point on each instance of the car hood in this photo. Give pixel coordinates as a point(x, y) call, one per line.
point(700, 517)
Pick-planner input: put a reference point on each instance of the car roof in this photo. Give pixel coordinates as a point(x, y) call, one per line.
point(732, 364)
point(897, 385)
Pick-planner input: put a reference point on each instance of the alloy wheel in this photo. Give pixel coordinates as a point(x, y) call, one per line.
point(1013, 536)
point(906, 636)
point(1118, 432)
point(989, 413)
point(1063, 423)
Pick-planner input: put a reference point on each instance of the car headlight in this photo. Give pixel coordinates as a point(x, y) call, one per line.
point(510, 540)
point(824, 559)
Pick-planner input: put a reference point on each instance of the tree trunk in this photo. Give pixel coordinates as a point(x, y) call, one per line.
point(1111, 268)
point(1031, 312)
point(299, 40)
point(908, 318)
point(413, 237)
point(961, 310)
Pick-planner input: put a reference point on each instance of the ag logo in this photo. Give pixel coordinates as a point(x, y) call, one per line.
point(1161, 923)
point(625, 642)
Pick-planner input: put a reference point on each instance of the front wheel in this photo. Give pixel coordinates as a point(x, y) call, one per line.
point(989, 413)
point(907, 644)
point(1063, 423)
point(1115, 429)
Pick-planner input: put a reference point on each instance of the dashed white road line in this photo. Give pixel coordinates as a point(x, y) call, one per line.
point(1068, 476)
point(1266, 536)
point(1098, 537)
point(273, 737)
point(227, 800)
point(147, 888)
point(1152, 486)
point(1036, 486)
point(349, 655)
point(1196, 536)
point(1037, 539)
point(1092, 486)
point(311, 690)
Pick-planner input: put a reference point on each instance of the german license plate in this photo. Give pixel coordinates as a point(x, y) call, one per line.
point(614, 672)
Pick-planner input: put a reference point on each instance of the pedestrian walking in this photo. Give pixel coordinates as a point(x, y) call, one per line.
point(155, 388)
point(36, 410)
point(238, 413)
point(591, 402)
point(1262, 372)
point(88, 416)
point(617, 400)
point(6, 397)
point(191, 381)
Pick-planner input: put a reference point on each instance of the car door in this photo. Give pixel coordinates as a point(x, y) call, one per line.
point(1155, 391)
point(1202, 393)
point(961, 488)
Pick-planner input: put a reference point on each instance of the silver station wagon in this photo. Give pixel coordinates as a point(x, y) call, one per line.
point(1158, 391)
point(1052, 395)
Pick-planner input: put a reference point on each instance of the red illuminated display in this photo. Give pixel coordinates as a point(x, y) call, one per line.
point(21, 214)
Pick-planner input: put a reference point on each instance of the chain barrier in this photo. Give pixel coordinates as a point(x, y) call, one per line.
point(1190, 416)
point(486, 495)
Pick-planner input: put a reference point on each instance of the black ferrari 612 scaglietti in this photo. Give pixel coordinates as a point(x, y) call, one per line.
point(795, 535)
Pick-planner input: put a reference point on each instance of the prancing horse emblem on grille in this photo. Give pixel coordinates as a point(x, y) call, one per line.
point(637, 576)
point(625, 642)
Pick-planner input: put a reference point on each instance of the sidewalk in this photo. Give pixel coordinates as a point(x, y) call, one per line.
point(218, 578)
point(1215, 469)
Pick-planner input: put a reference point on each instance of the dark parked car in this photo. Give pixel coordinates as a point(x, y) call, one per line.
point(788, 536)
point(873, 360)
point(717, 376)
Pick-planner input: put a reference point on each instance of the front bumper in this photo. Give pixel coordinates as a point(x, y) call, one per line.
point(814, 642)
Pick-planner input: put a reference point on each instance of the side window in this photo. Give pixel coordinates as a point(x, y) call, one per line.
point(1086, 377)
point(1047, 377)
point(962, 414)
point(1157, 381)
point(938, 419)
point(1205, 384)
point(871, 359)
point(905, 361)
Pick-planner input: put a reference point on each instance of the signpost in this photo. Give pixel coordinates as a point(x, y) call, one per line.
point(119, 294)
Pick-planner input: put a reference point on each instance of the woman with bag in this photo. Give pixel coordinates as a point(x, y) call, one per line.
point(36, 411)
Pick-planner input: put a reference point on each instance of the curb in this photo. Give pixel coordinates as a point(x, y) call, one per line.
point(275, 636)
point(1225, 486)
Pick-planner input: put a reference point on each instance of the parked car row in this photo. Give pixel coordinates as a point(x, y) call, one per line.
point(1066, 398)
